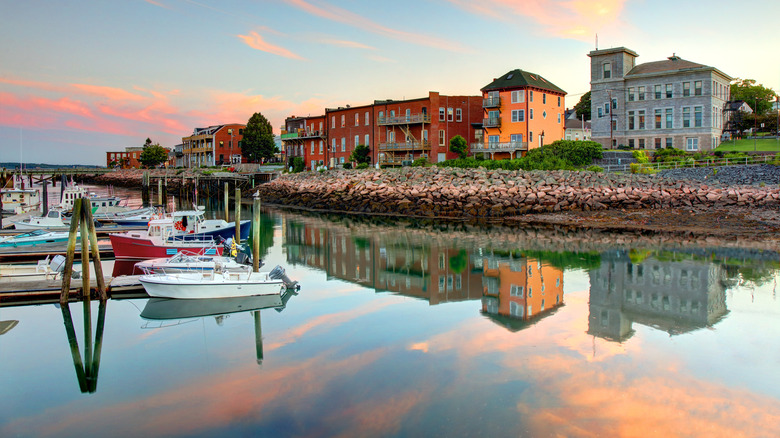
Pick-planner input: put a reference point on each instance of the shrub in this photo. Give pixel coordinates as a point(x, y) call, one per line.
point(298, 164)
point(362, 166)
point(640, 156)
point(421, 162)
point(594, 168)
point(347, 165)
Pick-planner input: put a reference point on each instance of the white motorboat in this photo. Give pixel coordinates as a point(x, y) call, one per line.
point(186, 261)
point(18, 201)
point(46, 269)
point(33, 238)
point(54, 220)
point(219, 283)
point(129, 216)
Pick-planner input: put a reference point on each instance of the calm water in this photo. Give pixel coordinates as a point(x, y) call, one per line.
point(416, 331)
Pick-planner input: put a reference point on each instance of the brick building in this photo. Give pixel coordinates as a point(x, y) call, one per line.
point(522, 111)
point(129, 159)
point(347, 127)
point(304, 137)
point(669, 103)
point(213, 146)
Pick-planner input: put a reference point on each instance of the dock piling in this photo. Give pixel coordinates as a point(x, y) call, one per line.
point(256, 236)
point(227, 200)
point(238, 216)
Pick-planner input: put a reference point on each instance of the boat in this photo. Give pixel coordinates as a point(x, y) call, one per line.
point(220, 283)
point(33, 238)
point(157, 309)
point(159, 240)
point(70, 193)
point(186, 261)
point(46, 269)
point(19, 201)
point(191, 224)
point(54, 220)
point(135, 216)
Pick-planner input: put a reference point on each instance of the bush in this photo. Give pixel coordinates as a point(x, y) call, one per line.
point(421, 162)
point(594, 168)
point(362, 166)
point(641, 156)
point(298, 164)
point(347, 165)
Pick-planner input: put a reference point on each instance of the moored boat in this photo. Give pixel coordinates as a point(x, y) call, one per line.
point(191, 224)
point(54, 220)
point(185, 261)
point(219, 283)
point(19, 201)
point(159, 240)
point(33, 238)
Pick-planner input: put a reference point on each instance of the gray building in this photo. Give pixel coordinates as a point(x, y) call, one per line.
point(669, 103)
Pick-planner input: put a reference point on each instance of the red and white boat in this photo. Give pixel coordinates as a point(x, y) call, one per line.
point(160, 240)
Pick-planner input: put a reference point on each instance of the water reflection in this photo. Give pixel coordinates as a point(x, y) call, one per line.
point(86, 369)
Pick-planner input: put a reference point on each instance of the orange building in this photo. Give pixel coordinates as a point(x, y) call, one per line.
point(214, 145)
point(522, 111)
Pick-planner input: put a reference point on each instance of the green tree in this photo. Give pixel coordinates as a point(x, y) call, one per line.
point(459, 146)
point(153, 154)
point(361, 154)
point(583, 106)
point(758, 97)
point(258, 142)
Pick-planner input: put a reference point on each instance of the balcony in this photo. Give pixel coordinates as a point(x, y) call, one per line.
point(289, 135)
point(311, 134)
point(404, 120)
point(511, 146)
point(406, 146)
point(491, 122)
point(491, 102)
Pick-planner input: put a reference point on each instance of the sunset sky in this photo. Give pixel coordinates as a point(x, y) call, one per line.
point(80, 78)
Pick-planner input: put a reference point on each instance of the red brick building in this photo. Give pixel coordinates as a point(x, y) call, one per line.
point(348, 127)
point(305, 137)
point(214, 145)
point(129, 159)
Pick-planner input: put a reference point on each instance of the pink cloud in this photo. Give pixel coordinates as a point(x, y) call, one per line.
point(340, 15)
point(112, 93)
point(255, 41)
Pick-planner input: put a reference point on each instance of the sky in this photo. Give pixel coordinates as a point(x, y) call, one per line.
point(81, 78)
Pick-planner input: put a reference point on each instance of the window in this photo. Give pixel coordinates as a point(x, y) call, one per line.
point(321, 145)
point(697, 88)
point(668, 91)
point(357, 119)
point(669, 119)
point(559, 101)
point(458, 115)
point(381, 115)
point(544, 97)
point(657, 91)
point(408, 114)
point(641, 143)
point(658, 117)
point(686, 89)
point(544, 115)
point(641, 115)
point(669, 142)
point(631, 94)
point(691, 144)
point(450, 114)
point(559, 117)
point(441, 114)
point(697, 116)
point(312, 146)
point(657, 145)
point(601, 112)
point(366, 140)
point(631, 143)
point(518, 115)
point(531, 113)
point(493, 139)
point(530, 136)
point(606, 108)
point(441, 137)
point(357, 141)
point(530, 95)
point(392, 114)
point(614, 103)
point(516, 138)
point(333, 145)
point(332, 122)
point(613, 124)
point(630, 120)
point(606, 71)
point(641, 93)
point(343, 121)
point(366, 121)
point(518, 96)
point(686, 117)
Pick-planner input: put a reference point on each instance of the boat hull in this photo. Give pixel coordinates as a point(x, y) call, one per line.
point(168, 308)
point(225, 233)
point(134, 248)
point(206, 285)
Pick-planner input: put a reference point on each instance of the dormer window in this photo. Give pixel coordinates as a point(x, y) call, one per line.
point(607, 73)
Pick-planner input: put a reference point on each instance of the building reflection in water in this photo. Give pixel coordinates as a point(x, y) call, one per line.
point(673, 296)
point(513, 290)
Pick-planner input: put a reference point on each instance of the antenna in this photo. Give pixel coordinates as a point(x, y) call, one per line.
point(597, 41)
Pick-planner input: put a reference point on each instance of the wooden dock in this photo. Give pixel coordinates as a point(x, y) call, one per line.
point(19, 293)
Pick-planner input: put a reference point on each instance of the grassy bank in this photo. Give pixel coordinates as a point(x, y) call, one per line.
point(745, 145)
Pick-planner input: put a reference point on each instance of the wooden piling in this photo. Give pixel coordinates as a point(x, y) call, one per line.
point(70, 252)
point(159, 192)
point(238, 216)
point(93, 243)
point(45, 193)
point(145, 189)
point(85, 205)
point(227, 203)
point(255, 236)
point(258, 337)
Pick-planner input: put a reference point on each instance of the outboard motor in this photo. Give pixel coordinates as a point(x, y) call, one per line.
point(278, 273)
point(243, 259)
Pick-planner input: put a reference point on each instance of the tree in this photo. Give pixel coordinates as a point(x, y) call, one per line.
point(153, 154)
point(583, 106)
point(361, 154)
point(258, 142)
point(459, 146)
point(758, 97)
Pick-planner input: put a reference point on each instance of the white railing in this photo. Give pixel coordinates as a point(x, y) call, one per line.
point(499, 147)
point(710, 162)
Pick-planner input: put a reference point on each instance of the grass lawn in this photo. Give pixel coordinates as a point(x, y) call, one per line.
point(747, 145)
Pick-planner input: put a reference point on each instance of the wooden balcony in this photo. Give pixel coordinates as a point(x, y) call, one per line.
point(511, 148)
point(491, 102)
point(406, 146)
point(404, 120)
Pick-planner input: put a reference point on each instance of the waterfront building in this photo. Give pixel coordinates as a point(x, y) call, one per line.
point(669, 103)
point(127, 159)
point(577, 129)
point(347, 127)
point(522, 111)
point(213, 146)
point(304, 137)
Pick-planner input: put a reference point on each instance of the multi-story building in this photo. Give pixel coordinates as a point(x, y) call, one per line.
point(409, 129)
point(214, 145)
point(129, 159)
point(347, 127)
point(305, 137)
point(669, 103)
point(522, 111)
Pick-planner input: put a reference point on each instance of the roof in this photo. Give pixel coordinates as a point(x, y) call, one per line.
point(575, 124)
point(518, 79)
point(673, 63)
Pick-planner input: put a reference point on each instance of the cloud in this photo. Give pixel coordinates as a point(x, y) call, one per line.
point(255, 41)
point(351, 44)
point(339, 15)
point(576, 19)
point(158, 4)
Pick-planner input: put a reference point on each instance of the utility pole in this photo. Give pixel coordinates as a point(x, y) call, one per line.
point(611, 111)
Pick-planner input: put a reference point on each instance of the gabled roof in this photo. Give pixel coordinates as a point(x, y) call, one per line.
point(673, 63)
point(575, 124)
point(518, 79)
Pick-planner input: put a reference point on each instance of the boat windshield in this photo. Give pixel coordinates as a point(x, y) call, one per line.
point(53, 214)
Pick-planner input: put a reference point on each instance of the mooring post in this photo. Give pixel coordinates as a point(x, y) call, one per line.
point(70, 252)
point(45, 192)
point(227, 205)
point(258, 337)
point(238, 216)
point(145, 189)
point(159, 191)
point(85, 206)
point(256, 236)
point(93, 243)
